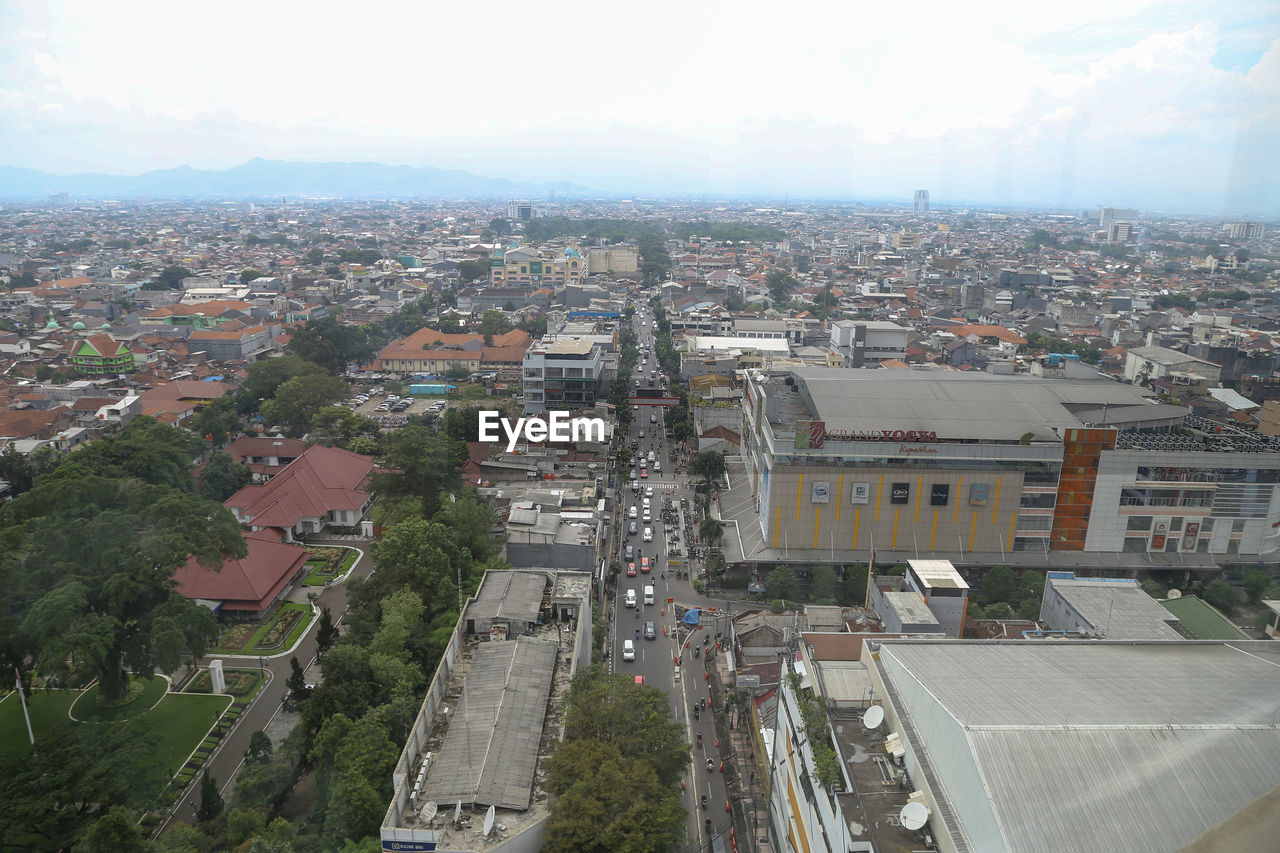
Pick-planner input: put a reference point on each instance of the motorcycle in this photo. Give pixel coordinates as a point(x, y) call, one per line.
point(711, 766)
point(704, 802)
point(696, 651)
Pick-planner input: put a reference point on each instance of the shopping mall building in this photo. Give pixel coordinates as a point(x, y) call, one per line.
point(971, 465)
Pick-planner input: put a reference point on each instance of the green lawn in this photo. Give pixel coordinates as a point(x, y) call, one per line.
point(251, 648)
point(320, 578)
point(87, 710)
point(48, 710)
point(180, 721)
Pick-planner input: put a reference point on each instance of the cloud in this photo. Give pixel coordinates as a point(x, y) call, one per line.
point(1047, 103)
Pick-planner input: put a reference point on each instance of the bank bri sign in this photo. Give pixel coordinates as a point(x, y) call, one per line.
point(813, 435)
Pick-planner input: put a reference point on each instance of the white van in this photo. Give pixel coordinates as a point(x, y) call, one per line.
point(631, 598)
point(648, 595)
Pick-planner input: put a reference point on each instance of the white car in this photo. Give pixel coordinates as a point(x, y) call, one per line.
point(657, 466)
point(628, 650)
point(647, 517)
point(651, 456)
point(645, 503)
point(648, 534)
point(633, 513)
point(648, 491)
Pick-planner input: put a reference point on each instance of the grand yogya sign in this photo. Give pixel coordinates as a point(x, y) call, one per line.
point(907, 436)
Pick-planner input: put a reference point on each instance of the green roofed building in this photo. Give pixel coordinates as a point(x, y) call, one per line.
point(1202, 621)
point(101, 354)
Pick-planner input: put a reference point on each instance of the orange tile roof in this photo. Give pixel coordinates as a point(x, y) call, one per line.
point(998, 332)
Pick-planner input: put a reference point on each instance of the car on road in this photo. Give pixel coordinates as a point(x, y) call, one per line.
point(644, 473)
point(644, 502)
point(653, 419)
point(651, 456)
point(631, 570)
point(630, 553)
point(657, 466)
point(631, 530)
point(628, 650)
point(632, 514)
point(644, 565)
point(642, 433)
point(648, 534)
point(647, 517)
point(650, 631)
point(648, 491)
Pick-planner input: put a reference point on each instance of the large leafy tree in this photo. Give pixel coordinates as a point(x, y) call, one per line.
point(709, 465)
point(592, 812)
point(782, 583)
point(780, 285)
point(222, 477)
point(331, 345)
point(422, 463)
point(298, 400)
point(217, 423)
point(494, 323)
point(88, 575)
point(338, 425)
point(145, 450)
point(266, 376)
point(610, 709)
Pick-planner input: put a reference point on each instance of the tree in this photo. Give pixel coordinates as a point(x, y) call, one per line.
point(782, 582)
point(326, 632)
point(494, 323)
point(101, 602)
point(222, 477)
point(244, 824)
point(422, 463)
point(711, 530)
point(500, 227)
point(592, 812)
point(266, 376)
point(338, 425)
point(998, 610)
point(1255, 584)
point(145, 450)
point(1154, 588)
point(115, 832)
point(218, 422)
point(780, 285)
point(823, 587)
point(210, 799)
point(301, 398)
point(247, 276)
point(332, 345)
point(470, 271)
point(314, 257)
point(259, 750)
point(1221, 595)
point(997, 585)
point(170, 278)
point(297, 682)
point(448, 324)
point(709, 465)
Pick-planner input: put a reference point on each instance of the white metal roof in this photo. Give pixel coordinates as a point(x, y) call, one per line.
point(1083, 746)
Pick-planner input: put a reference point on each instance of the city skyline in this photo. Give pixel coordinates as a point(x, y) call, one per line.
point(1069, 106)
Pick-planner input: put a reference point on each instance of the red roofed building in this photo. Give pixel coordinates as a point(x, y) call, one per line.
point(322, 487)
point(430, 352)
point(248, 587)
point(266, 457)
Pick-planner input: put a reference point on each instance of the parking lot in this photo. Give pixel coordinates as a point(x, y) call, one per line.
point(397, 413)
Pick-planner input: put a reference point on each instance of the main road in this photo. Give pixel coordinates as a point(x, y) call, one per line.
point(668, 659)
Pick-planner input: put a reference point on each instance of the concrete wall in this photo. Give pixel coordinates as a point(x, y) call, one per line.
point(794, 520)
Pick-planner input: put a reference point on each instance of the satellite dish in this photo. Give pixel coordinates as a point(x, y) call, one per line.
point(873, 717)
point(488, 821)
point(457, 812)
point(1175, 593)
point(914, 815)
point(429, 810)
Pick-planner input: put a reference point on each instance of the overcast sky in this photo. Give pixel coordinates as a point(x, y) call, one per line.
point(1159, 105)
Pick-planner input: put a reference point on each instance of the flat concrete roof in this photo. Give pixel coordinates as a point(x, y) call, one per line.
point(938, 573)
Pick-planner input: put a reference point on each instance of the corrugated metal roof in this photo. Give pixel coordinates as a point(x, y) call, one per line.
point(1077, 747)
point(491, 749)
point(1118, 607)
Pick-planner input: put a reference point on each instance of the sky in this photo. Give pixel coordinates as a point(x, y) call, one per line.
point(1171, 106)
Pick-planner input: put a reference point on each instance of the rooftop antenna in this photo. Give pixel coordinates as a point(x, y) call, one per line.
point(914, 815)
point(874, 717)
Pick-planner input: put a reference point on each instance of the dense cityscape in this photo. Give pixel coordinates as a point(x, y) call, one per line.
point(273, 583)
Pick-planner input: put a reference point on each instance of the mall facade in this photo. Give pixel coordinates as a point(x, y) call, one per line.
point(937, 462)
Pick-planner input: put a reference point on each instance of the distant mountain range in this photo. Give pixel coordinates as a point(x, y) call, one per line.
point(261, 178)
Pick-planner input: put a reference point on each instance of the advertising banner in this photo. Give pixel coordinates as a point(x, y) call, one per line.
point(900, 493)
point(939, 493)
point(820, 492)
point(861, 493)
point(978, 494)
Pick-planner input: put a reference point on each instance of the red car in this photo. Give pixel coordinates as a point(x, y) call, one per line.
point(644, 473)
point(644, 565)
point(631, 570)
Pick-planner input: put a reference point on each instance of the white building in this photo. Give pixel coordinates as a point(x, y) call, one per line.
point(562, 374)
point(867, 343)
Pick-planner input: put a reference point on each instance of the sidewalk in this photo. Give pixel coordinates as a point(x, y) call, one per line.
point(751, 812)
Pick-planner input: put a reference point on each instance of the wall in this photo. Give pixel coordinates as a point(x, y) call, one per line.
point(794, 520)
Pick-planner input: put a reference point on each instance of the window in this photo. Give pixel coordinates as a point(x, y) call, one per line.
point(1139, 522)
point(1034, 522)
point(1175, 525)
point(1135, 545)
point(1206, 525)
point(1170, 544)
point(1038, 501)
point(1233, 546)
point(1237, 525)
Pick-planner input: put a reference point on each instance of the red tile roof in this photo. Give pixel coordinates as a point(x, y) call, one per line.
point(320, 480)
point(251, 583)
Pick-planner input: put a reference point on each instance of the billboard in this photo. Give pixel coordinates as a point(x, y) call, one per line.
point(939, 494)
point(810, 435)
point(900, 493)
point(819, 492)
point(978, 493)
point(861, 493)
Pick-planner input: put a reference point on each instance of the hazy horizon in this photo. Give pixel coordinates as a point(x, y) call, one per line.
point(1159, 106)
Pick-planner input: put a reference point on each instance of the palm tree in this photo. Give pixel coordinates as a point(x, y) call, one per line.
point(711, 530)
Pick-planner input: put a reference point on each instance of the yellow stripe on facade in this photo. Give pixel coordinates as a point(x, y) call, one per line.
point(799, 489)
point(973, 528)
point(1013, 517)
point(879, 490)
point(817, 517)
point(933, 534)
point(955, 519)
point(919, 495)
point(893, 544)
point(857, 516)
point(995, 503)
point(839, 494)
point(777, 522)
